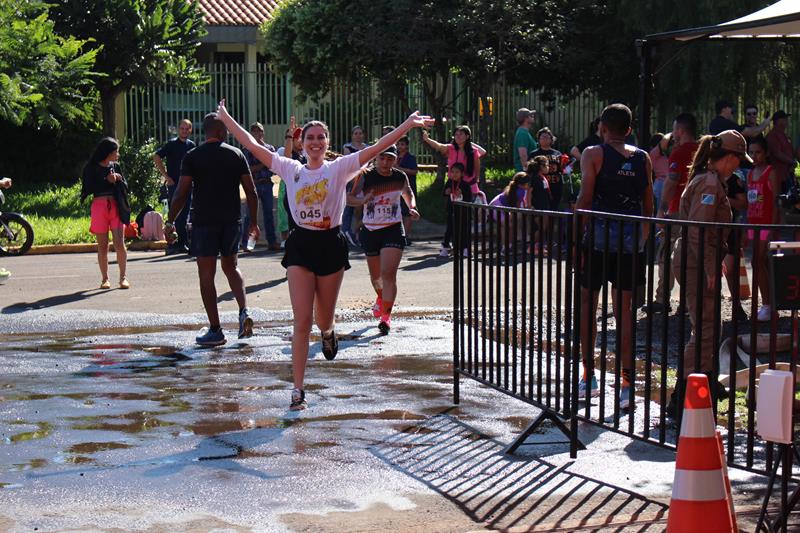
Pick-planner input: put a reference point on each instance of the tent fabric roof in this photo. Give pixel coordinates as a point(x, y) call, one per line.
point(780, 20)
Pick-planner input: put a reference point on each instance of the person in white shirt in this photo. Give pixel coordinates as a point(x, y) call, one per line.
point(316, 251)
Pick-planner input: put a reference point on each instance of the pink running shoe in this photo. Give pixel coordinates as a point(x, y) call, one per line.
point(377, 308)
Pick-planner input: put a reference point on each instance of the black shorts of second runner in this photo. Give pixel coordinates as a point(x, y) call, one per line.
point(614, 262)
point(215, 239)
point(372, 242)
point(322, 252)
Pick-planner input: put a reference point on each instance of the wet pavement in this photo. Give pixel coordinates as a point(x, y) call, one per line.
point(131, 427)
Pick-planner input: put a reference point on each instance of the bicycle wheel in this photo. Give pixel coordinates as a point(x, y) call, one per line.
point(16, 234)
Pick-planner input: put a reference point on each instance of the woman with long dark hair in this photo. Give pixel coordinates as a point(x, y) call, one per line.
point(463, 151)
point(316, 251)
point(102, 180)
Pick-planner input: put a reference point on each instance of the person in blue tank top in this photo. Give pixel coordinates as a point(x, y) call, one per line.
point(616, 178)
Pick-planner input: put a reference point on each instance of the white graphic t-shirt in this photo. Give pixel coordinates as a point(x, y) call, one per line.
point(316, 197)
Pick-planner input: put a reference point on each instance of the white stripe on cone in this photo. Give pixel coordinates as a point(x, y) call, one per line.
point(698, 424)
point(699, 486)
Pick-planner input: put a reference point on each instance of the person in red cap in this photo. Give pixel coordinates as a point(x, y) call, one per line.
point(705, 199)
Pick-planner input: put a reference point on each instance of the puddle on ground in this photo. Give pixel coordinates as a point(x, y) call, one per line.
point(94, 447)
point(44, 430)
point(131, 395)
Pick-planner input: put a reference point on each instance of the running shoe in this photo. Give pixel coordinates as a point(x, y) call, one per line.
point(656, 307)
point(245, 324)
point(764, 314)
point(385, 324)
point(124, 283)
point(739, 314)
point(4, 275)
point(625, 397)
point(210, 337)
point(377, 308)
point(330, 346)
point(595, 390)
point(444, 251)
point(298, 400)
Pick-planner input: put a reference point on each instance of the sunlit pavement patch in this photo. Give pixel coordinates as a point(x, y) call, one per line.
point(137, 427)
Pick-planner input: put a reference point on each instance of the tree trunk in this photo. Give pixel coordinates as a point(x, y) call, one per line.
point(108, 100)
point(435, 97)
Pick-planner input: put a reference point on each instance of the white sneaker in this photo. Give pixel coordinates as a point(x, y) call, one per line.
point(444, 252)
point(764, 314)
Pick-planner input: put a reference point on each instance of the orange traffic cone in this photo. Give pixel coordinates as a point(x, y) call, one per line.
point(699, 501)
point(744, 284)
point(727, 482)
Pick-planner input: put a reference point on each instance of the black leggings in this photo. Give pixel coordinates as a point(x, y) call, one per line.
point(451, 222)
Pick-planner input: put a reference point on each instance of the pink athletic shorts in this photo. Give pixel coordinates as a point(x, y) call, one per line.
point(105, 216)
point(765, 234)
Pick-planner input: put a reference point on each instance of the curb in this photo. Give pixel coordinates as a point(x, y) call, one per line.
point(136, 246)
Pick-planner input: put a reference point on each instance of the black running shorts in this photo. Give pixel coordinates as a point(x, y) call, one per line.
point(372, 242)
point(215, 239)
point(618, 270)
point(322, 252)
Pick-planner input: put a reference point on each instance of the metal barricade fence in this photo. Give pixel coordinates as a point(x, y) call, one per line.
point(523, 319)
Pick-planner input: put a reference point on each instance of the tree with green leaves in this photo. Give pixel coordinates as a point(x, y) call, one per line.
point(143, 42)
point(45, 79)
point(401, 41)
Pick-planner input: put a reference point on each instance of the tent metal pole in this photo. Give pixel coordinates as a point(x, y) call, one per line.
point(643, 47)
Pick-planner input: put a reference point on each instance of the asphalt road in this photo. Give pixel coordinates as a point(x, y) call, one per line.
point(168, 285)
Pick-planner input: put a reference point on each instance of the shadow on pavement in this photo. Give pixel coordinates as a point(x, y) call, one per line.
point(501, 491)
point(250, 289)
point(221, 452)
point(51, 301)
point(425, 261)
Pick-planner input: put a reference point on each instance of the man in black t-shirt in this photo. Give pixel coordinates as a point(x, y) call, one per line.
point(724, 121)
point(173, 153)
point(213, 171)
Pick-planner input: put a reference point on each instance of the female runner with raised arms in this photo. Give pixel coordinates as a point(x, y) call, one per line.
point(316, 251)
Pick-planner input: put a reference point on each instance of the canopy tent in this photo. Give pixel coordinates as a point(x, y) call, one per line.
point(779, 21)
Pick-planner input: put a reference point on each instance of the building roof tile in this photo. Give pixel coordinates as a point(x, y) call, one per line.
point(237, 12)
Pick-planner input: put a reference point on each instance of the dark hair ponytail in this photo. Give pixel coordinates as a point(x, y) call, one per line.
point(709, 150)
point(468, 150)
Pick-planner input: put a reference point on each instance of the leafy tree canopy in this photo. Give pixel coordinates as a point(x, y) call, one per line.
point(45, 79)
point(143, 42)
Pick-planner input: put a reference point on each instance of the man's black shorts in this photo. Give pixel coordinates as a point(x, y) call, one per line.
point(615, 264)
point(389, 237)
point(216, 239)
point(323, 252)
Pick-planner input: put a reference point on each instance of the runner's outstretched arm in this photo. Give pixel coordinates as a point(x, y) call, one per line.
point(414, 120)
point(244, 136)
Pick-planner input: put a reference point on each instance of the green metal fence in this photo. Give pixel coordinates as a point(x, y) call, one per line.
point(270, 98)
